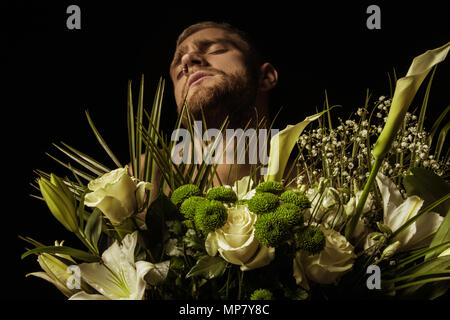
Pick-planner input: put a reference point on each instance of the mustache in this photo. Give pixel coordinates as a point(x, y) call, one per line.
point(213, 71)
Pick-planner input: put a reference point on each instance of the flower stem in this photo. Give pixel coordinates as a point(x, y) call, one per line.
point(365, 193)
point(241, 280)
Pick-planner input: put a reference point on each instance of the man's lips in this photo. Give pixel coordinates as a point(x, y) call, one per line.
point(197, 77)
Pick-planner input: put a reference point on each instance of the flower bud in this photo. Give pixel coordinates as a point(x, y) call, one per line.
point(384, 228)
point(62, 276)
point(390, 250)
point(60, 201)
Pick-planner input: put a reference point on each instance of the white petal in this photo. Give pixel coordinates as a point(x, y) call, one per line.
point(263, 258)
point(405, 211)
point(128, 245)
point(425, 227)
point(154, 274)
point(211, 245)
point(242, 187)
point(111, 207)
point(142, 268)
point(299, 272)
point(390, 194)
point(104, 281)
point(84, 296)
point(141, 189)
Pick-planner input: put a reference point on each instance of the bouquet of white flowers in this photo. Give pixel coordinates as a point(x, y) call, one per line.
point(362, 212)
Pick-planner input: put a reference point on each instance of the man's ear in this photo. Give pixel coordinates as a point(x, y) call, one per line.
point(268, 77)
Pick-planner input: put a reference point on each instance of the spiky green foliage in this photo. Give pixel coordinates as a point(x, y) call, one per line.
point(190, 205)
point(310, 239)
point(261, 294)
point(297, 198)
point(221, 193)
point(274, 187)
point(263, 202)
point(210, 215)
point(184, 192)
point(270, 230)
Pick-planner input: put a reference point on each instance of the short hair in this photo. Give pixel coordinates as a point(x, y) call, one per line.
point(252, 54)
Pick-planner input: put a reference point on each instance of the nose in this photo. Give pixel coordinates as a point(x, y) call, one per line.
point(192, 59)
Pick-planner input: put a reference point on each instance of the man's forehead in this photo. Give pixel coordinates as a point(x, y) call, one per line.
point(207, 35)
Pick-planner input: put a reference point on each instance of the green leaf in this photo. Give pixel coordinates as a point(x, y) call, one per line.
point(426, 273)
point(158, 274)
point(83, 159)
point(74, 253)
point(428, 186)
point(160, 210)
point(93, 227)
point(102, 141)
point(441, 236)
point(208, 267)
point(441, 140)
point(437, 123)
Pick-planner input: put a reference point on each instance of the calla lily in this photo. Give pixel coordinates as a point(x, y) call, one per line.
point(118, 276)
point(396, 211)
point(281, 146)
point(405, 90)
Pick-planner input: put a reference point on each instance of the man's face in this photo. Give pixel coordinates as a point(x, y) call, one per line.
point(210, 71)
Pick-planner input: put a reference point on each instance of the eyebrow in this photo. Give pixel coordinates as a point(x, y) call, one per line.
point(201, 45)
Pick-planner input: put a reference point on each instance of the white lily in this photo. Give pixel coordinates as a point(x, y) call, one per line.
point(118, 276)
point(396, 211)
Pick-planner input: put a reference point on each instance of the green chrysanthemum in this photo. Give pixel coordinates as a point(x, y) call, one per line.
point(270, 186)
point(184, 192)
point(241, 202)
point(297, 198)
point(270, 230)
point(221, 193)
point(263, 202)
point(310, 239)
point(210, 215)
point(190, 205)
point(261, 294)
point(290, 213)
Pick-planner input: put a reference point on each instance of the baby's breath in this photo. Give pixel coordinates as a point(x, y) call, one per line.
point(343, 154)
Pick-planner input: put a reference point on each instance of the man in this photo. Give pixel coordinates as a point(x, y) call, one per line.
point(217, 69)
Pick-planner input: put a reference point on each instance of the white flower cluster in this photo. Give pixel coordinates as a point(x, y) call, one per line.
point(343, 154)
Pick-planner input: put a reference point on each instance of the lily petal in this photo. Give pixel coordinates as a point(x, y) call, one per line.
point(392, 197)
point(84, 296)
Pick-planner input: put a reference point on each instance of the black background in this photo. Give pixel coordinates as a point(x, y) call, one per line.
point(54, 74)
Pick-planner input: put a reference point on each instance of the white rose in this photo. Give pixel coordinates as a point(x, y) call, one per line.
point(327, 266)
point(236, 242)
point(117, 195)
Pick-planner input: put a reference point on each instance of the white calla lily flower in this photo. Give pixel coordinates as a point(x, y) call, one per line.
point(118, 276)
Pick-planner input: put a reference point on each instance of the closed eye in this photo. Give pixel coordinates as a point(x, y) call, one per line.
point(218, 51)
